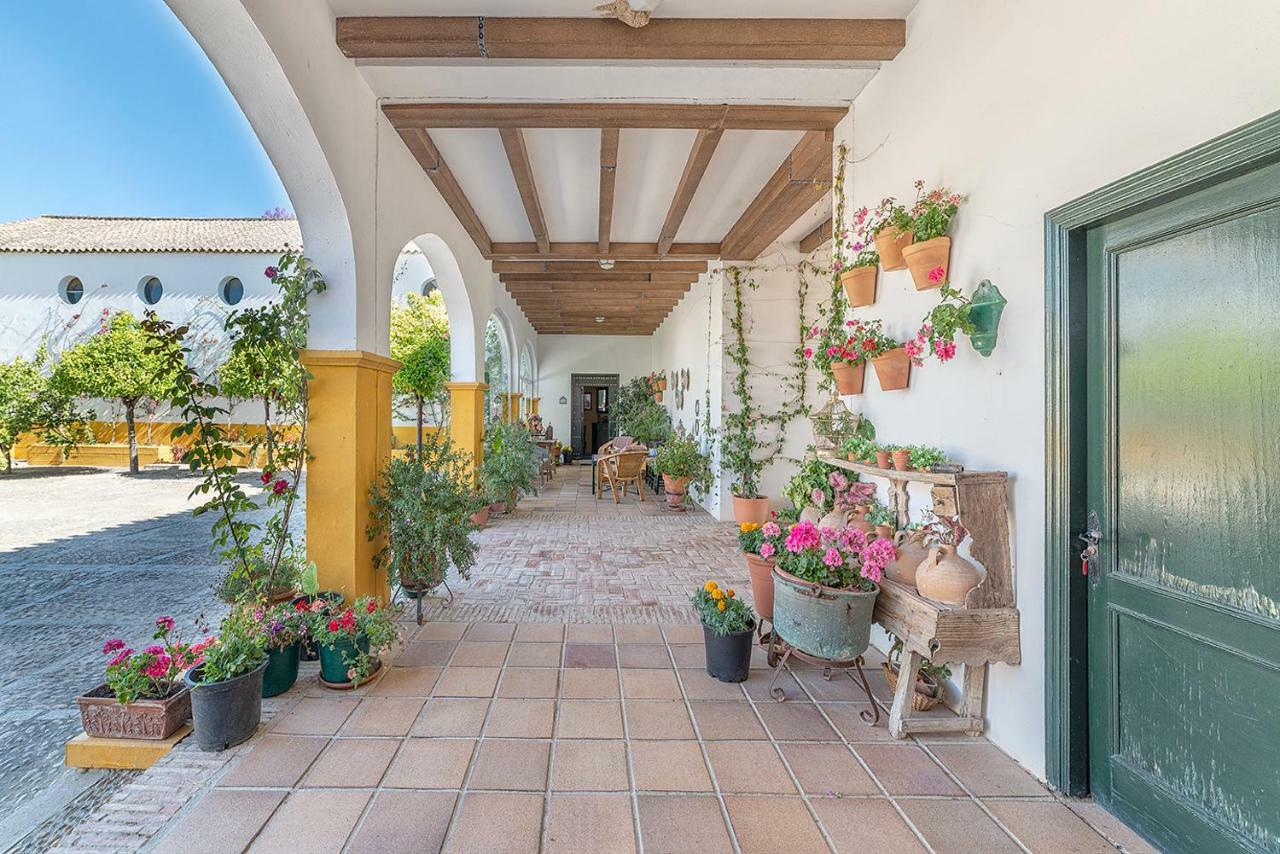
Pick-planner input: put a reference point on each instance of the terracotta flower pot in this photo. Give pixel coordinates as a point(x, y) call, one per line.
point(761, 570)
point(498, 507)
point(102, 716)
point(884, 459)
point(676, 489)
point(860, 285)
point(946, 577)
point(889, 243)
point(884, 532)
point(662, 384)
point(923, 258)
point(893, 369)
point(480, 518)
point(902, 460)
point(911, 551)
point(754, 509)
point(849, 376)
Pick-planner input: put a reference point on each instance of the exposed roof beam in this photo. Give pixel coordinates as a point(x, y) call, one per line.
point(797, 185)
point(665, 266)
point(518, 156)
point(704, 146)
point(613, 114)
point(817, 237)
point(580, 251)
point(608, 172)
point(602, 276)
point(697, 39)
point(429, 158)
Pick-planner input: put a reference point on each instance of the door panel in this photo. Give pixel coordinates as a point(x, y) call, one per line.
point(1183, 420)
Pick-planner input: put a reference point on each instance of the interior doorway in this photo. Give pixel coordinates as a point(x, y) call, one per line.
point(592, 403)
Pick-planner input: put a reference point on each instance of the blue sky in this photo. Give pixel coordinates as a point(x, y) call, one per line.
point(111, 108)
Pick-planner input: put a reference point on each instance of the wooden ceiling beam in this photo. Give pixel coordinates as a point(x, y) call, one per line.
point(601, 276)
point(817, 237)
point(522, 171)
point(665, 266)
point(797, 185)
point(704, 147)
point(614, 114)
point(696, 39)
point(428, 156)
point(620, 251)
point(608, 172)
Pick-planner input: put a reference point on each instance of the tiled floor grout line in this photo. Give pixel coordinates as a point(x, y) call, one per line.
point(447, 839)
point(956, 779)
point(626, 737)
point(702, 745)
point(555, 731)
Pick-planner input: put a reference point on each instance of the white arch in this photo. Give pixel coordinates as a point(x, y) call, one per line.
point(508, 348)
point(457, 301)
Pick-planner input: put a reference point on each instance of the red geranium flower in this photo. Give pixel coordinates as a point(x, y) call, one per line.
point(266, 476)
point(280, 486)
point(371, 607)
point(333, 625)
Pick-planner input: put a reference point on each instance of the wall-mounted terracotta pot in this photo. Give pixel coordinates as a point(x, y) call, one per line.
point(911, 552)
point(848, 376)
point(902, 460)
point(946, 577)
point(893, 369)
point(860, 285)
point(884, 459)
point(754, 509)
point(890, 243)
point(923, 258)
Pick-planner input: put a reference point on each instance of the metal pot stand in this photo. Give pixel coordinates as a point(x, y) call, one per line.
point(780, 652)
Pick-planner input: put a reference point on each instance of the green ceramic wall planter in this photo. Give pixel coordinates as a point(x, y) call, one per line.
point(985, 307)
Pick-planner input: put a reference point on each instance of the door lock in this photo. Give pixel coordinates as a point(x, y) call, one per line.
point(1091, 537)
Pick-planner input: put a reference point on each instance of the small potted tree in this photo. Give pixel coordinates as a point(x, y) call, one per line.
point(226, 686)
point(682, 462)
point(510, 463)
point(727, 624)
point(351, 642)
point(931, 251)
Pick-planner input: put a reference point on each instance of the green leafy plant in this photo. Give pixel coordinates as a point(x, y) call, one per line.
point(421, 508)
point(859, 448)
point(510, 463)
point(239, 648)
point(683, 457)
point(740, 443)
point(156, 671)
point(649, 425)
point(721, 611)
point(879, 514)
point(31, 403)
point(924, 457)
point(763, 540)
point(840, 558)
point(368, 628)
point(811, 485)
point(892, 215)
point(636, 414)
point(933, 211)
point(420, 343)
point(939, 328)
point(940, 672)
point(281, 625)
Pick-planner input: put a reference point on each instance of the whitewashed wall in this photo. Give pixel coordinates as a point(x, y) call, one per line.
point(559, 357)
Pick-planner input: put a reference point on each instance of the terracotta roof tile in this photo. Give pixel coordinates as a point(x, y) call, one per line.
point(66, 234)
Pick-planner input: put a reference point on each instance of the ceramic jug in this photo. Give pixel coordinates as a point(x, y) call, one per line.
point(946, 577)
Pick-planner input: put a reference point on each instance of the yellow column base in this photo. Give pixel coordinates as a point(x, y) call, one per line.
point(466, 419)
point(86, 751)
point(349, 440)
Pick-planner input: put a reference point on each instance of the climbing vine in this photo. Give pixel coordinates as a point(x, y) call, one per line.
point(831, 312)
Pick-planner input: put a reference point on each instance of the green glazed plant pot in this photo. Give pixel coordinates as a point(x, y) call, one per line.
point(822, 621)
point(282, 669)
point(333, 665)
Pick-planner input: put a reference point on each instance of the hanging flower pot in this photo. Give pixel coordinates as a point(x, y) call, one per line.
point(890, 243)
point(848, 376)
point(893, 369)
point(924, 260)
point(860, 285)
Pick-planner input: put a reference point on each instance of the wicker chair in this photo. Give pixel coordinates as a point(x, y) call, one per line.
point(618, 470)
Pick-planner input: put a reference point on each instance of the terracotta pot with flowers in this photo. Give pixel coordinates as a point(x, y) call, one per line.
point(931, 251)
point(143, 695)
point(841, 352)
point(858, 278)
point(892, 232)
point(681, 461)
point(727, 625)
point(892, 361)
point(759, 544)
point(882, 519)
point(352, 641)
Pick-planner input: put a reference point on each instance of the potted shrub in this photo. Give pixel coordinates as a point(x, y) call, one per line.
point(510, 465)
point(759, 544)
point(892, 232)
point(280, 628)
point(925, 457)
point(944, 575)
point(931, 249)
point(929, 679)
point(727, 624)
point(682, 462)
point(859, 449)
point(882, 519)
point(313, 598)
point(143, 695)
point(649, 426)
point(421, 510)
point(226, 686)
point(825, 585)
point(352, 641)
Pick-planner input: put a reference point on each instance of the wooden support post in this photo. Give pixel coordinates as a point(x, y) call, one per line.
point(902, 698)
point(975, 692)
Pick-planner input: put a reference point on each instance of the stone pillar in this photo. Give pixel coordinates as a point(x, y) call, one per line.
point(466, 418)
point(510, 406)
point(349, 440)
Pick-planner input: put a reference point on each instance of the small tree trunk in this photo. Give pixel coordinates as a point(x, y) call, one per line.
point(266, 423)
point(8, 460)
point(420, 405)
point(133, 436)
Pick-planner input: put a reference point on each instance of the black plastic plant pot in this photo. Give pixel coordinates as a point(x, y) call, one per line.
point(225, 713)
point(728, 656)
point(282, 669)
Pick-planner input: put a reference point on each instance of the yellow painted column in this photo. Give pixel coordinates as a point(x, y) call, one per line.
point(466, 418)
point(533, 405)
point(510, 406)
point(349, 440)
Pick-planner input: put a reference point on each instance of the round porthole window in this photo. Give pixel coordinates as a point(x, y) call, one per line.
point(231, 290)
point(71, 290)
point(150, 290)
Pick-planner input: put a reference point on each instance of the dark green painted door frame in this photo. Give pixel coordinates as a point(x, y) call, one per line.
point(1066, 601)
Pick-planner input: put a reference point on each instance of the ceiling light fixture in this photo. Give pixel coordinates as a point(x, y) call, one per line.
point(599, 319)
point(605, 263)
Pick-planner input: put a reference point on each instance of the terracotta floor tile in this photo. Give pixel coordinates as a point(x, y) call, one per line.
point(430, 763)
point(747, 767)
point(521, 718)
point(449, 716)
point(852, 821)
point(589, 655)
point(905, 769)
point(352, 763)
point(540, 632)
point(1049, 826)
point(491, 632)
point(1110, 827)
point(664, 719)
point(406, 682)
point(589, 719)
point(828, 769)
point(771, 825)
point(498, 823)
point(534, 654)
point(315, 716)
point(841, 687)
point(590, 683)
point(472, 653)
point(848, 720)
point(529, 682)
point(679, 825)
point(223, 820)
point(511, 764)
point(669, 766)
point(590, 766)
point(432, 653)
point(760, 683)
point(467, 682)
point(987, 771)
point(404, 822)
point(795, 721)
point(576, 633)
point(720, 720)
point(957, 827)
point(312, 820)
point(384, 716)
point(689, 655)
point(276, 760)
point(628, 634)
point(682, 634)
point(698, 685)
point(879, 687)
point(644, 655)
point(588, 824)
point(650, 684)
point(441, 631)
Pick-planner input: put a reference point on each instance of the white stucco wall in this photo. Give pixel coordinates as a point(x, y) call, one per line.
point(559, 357)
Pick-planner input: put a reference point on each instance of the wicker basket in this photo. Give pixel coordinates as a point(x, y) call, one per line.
point(919, 702)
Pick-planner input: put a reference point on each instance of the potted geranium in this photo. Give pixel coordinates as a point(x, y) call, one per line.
point(143, 695)
point(226, 686)
point(351, 642)
point(931, 251)
point(727, 624)
point(759, 544)
point(510, 464)
point(682, 462)
point(281, 629)
point(891, 233)
point(825, 585)
point(858, 277)
point(891, 360)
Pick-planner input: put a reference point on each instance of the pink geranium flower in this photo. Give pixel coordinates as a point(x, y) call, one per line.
point(770, 529)
point(766, 550)
point(937, 274)
point(271, 272)
point(165, 623)
point(113, 645)
point(832, 557)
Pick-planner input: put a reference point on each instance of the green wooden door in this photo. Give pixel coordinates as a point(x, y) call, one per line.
point(1184, 473)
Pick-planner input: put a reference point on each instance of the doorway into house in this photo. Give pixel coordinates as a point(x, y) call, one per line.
point(592, 401)
point(1175, 473)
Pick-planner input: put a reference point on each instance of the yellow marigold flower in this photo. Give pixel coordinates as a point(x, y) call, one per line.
point(729, 593)
point(717, 595)
point(709, 586)
point(720, 605)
